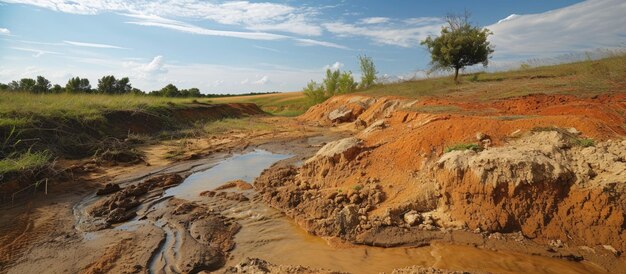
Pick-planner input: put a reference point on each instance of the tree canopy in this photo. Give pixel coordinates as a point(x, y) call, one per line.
point(459, 45)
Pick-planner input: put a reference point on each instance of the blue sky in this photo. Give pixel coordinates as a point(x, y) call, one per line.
point(256, 46)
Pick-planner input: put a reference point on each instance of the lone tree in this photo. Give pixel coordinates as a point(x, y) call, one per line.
point(459, 45)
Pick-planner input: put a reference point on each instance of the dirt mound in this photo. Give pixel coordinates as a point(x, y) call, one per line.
point(119, 207)
point(124, 122)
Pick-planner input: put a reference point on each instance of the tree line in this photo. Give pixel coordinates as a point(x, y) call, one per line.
point(106, 85)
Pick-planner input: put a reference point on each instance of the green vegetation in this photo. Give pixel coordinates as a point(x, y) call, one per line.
point(579, 78)
point(24, 161)
point(368, 71)
point(337, 82)
point(464, 146)
point(281, 104)
point(357, 187)
point(585, 142)
point(459, 45)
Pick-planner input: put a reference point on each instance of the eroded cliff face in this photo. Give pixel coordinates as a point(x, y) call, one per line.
point(542, 185)
point(534, 173)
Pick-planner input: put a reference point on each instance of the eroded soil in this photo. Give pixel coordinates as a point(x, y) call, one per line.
point(368, 187)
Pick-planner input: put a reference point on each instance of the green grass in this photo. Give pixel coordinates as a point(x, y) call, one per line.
point(17, 106)
point(227, 125)
point(25, 161)
point(281, 104)
point(587, 78)
point(585, 142)
point(464, 146)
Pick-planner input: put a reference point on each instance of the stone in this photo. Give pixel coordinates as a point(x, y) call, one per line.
point(108, 189)
point(411, 217)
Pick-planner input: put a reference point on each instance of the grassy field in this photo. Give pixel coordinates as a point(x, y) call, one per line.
point(282, 104)
point(586, 78)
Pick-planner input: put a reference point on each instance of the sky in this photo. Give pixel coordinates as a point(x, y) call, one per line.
point(263, 46)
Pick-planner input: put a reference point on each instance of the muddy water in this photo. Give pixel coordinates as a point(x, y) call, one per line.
point(245, 167)
point(268, 234)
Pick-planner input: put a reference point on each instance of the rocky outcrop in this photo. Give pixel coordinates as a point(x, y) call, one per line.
point(544, 185)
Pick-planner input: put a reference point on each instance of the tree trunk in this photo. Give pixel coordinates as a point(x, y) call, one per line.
point(456, 75)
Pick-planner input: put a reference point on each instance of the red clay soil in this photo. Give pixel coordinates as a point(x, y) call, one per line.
point(402, 140)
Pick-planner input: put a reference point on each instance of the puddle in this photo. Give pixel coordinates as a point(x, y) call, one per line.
point(244, 166)
point(268, 234)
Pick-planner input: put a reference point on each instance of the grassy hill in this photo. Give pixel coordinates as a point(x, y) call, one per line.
point(587, 78)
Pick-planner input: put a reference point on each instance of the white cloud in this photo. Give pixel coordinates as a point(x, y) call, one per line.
point(334, 67)
point(245, 81)
point(141, 70)
point(254, 16)
point(92, 45)
point(405, 34)
point(584, 26)
point(264, 80)
point(374, 20)
point(4, 31)
point(37, 52)
point(157, 21)
point(266, 48)
point(184, 27)
point(311, 42)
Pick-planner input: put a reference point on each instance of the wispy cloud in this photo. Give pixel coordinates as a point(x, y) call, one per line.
point(37, 52)
point(184, 27)
point(4, 31)
point(311, 42)
point(584, 26)
point(263, 16)
point(374, 20)
point(157, 21)
point(266, 48)
point(407, 33)
point(92, 45)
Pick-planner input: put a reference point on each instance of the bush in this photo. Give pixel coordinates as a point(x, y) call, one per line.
point(368, 71)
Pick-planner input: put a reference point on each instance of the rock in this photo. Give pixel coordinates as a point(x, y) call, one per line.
point(573, 131)
point(360, 124)
point(208, 193)
point(481, 136)
point(612, 249)
point(108, 189)
point(119, 215)
point(240, 184)
point(344, 149)
point(411, 217)
point(556, 243)
point(340, 115)
point(348, 218)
